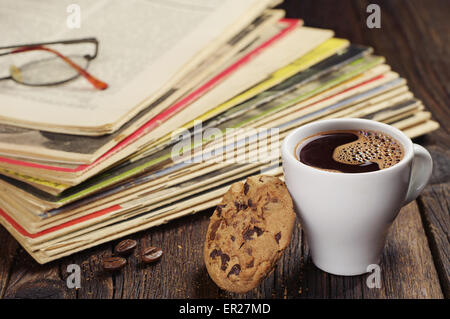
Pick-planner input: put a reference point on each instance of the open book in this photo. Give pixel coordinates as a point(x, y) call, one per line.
point(145, 46)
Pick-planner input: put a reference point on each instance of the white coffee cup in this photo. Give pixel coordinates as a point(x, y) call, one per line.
point(346, 216)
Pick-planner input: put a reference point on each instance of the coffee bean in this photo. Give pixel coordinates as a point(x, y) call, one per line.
point(113, 263)
point(151, 254)
point(125, 247)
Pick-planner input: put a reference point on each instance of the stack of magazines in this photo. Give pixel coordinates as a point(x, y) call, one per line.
point(179, 100)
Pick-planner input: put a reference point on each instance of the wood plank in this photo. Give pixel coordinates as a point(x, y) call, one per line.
point(8, 248)
point(438, 144)
point(95, 282)
point(435, 204)
point(414, 37)
point(408, 270)
point(28, 279)
point(180, 273)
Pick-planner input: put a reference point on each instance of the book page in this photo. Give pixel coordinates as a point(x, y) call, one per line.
point(143, 43)
point(40, 145)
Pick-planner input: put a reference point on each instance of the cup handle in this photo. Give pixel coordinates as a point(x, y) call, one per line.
point(420, 174)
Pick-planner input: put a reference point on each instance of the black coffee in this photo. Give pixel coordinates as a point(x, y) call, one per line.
point(350, 151)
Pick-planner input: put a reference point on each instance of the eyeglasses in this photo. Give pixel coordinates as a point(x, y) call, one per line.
point(54, 69)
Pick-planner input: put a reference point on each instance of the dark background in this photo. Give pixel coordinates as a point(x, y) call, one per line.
point(414, 38)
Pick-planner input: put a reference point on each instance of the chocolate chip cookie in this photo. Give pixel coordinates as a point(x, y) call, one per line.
point(248, 233)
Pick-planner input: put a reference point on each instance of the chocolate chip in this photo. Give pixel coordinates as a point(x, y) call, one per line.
point(233, 238)
point(246, 188)
point(214, 228)
point(250, 264)
point(258, 230)
point(235, 270)
point(219, 209)
point(249, 232)
point(278, 237)
point(240, 206)
point(225, 259)
point(251, 205)
point(214, 253)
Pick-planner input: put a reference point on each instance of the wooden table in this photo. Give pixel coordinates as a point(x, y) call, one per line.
point(414, 37)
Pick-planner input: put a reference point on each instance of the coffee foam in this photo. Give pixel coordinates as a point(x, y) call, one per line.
point(371, 146)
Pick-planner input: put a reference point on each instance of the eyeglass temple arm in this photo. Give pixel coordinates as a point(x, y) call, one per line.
point(100, 85)
point(74, 41)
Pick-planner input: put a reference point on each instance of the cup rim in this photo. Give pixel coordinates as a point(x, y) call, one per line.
point(385, 128)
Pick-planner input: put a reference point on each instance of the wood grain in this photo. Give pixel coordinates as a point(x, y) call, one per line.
point(179, 273)
point(414, 37)
point(435, 203)
point(411, 273)
point(95, 282)
point(27, 279)
point(8, 249)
